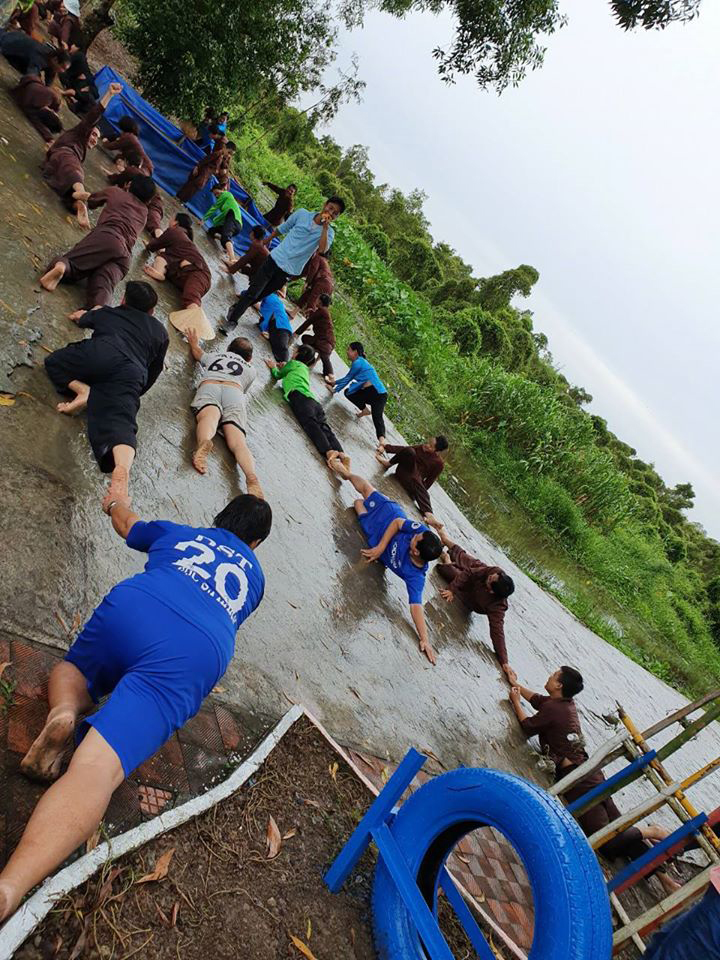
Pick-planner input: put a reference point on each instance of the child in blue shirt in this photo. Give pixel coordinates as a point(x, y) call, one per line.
point(276, 327)
point(364, 388)
point(403, 546)
point(155, 647)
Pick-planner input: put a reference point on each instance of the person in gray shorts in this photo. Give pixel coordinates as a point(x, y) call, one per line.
point(219, 401)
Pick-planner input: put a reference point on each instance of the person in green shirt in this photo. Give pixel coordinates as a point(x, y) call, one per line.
point(225, 218)
point(294, 377)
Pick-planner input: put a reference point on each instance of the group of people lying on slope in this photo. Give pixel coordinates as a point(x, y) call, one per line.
point(212, 577)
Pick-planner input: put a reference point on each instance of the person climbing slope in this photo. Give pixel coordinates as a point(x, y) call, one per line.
point(364, 388)
point(418, 467)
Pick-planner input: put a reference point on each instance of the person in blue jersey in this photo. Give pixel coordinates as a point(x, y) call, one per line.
point(364, 389)
point(303, 233)
point(157, 645)
point(275, 325)
point(403, 546)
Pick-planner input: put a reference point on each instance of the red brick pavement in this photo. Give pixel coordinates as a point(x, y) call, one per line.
point(188, 763)
point(483, 861)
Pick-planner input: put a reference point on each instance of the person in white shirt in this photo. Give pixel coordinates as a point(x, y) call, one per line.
point(219, 401)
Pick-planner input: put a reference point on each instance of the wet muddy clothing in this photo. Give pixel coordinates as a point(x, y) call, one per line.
point(417, 470)
point(467, 578)
point(103, 256)
point(63, 164)
point(210, 166)
point(40, 104)
point(251, 261)
point(318, 280)
point(27, 54)
point(283, 205)
point(193, 280)
point(125, 145)
point(155, 207)
point(121, 361)
point(161, 640)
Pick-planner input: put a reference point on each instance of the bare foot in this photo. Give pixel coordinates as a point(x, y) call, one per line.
point(152, 272)
point(83, 217)
point(429, 652)
point(669, 885)
point(199, 457)
point(383, 461)
point(363, 413)
point(76, 315)
point(338, 467)
point(432, 521)
point(43, 759)
point(52, 278)
point(9, 900)
point(72, 407)
point(119, 483)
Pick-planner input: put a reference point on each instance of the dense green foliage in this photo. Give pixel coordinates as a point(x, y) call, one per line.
point(488, 374)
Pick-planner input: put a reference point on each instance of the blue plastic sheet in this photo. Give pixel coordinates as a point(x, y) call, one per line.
point(173, 154)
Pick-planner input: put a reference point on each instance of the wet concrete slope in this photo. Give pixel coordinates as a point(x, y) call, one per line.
point(332, 633)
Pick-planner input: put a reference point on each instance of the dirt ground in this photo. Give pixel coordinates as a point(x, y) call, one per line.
point(223, 895)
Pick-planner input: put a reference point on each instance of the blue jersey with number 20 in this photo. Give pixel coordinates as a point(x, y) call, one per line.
point(208, 576)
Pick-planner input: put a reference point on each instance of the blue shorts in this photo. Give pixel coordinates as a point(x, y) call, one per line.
point(156, 665)
point(381, 511)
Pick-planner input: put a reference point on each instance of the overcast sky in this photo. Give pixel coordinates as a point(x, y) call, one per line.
point(601, 170)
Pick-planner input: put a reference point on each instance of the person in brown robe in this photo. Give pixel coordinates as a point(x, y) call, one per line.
point(40, 104)
point(318, 280)
point(62, 168)
point(479, 587)
point(418, 467)
point(28, 55)
point(29, 20)
point(128, 144)
point(557, 726)
point(322, 339)
point(180, 261)
point(283, 205)
point(215, 164)
point(103, 256)
point(65, 28)
point(121, 178)
point(254, 257)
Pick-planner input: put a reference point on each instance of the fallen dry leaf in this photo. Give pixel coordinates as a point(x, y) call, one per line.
point(352, 935)
point(93, 840)
point(365, 759)
point(312, 803)
point(4, 666)
point(290, 833)
point(161, 868)
point(174, 913)
point(163, 916)
point(274, 840)
point(309, 928)
point(218, 689)
point(461, 857)
point(333, 768)
point(304, 950)
point(80, 942)
point(293, 605)
point(6, 400)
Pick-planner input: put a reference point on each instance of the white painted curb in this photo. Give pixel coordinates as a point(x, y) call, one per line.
point(19, 927)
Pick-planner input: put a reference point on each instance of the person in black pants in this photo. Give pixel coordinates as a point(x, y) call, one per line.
point(295, 377)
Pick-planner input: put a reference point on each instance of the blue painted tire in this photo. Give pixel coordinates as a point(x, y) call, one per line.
point(572, 910)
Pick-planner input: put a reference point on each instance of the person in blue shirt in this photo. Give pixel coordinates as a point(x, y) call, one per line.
point(275, 325)
point(364, 388)
point(303, 233)
point(403, 546)
point(157, 645)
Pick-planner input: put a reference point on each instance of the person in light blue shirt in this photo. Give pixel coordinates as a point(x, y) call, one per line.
point(275, 325)
point(364, 388)
point(404, 547)
point(303, 233)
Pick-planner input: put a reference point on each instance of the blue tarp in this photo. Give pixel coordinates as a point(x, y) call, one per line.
point(172, 153)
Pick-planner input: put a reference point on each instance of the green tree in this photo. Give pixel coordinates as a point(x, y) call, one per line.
point(194, 55)
point(497, 292)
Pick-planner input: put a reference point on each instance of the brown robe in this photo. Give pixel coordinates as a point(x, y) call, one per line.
point(318, 280)
point(192, 281)
point(155, 207)
point(63, 164)
point(251, 261)
point(103, 256)
point(35, 99)
point(467, 578)
point(324, 333)
point(65, 27)
point(126, 144)
point(29, 21)
point(283, 205)
point(210, 166)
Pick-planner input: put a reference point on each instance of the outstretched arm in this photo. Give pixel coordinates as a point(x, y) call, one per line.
point(123, 518)
point(194, 343)
point(524, 692)
point(418, 616)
